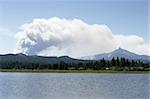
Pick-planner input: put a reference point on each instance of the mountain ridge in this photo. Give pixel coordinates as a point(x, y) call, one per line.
point(37, 59)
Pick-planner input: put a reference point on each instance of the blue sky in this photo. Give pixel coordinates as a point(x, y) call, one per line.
point(127, 17)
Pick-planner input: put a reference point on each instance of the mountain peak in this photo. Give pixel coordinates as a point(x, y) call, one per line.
point(120, 49)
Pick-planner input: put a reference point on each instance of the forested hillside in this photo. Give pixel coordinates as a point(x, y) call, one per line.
point(21, 61)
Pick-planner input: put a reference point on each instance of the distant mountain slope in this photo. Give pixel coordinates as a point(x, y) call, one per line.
point(36, 59)
point(118, 53)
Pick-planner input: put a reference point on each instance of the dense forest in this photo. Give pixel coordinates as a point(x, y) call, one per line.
point(114, 64)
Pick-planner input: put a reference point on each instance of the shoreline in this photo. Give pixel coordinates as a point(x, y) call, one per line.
point(75, 71)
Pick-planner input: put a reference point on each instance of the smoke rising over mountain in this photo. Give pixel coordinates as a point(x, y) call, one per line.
point(56, 37)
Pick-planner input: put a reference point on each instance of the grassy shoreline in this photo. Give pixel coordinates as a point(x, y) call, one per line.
point(74, 71)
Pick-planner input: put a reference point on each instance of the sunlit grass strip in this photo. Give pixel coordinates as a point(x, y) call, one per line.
point(73, 71)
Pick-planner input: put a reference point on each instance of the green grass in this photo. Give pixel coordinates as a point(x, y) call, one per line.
point(74, 71)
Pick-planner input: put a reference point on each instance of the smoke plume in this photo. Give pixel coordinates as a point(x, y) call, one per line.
point(56, 37)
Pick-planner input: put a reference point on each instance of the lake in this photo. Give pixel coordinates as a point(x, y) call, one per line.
point(73, 86)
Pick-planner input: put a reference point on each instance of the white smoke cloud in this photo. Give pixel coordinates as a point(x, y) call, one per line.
point(56, 37)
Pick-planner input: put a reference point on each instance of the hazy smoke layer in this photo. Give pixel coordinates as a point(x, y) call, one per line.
point(75, 38)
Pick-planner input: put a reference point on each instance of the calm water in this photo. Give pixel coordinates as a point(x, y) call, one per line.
point(73, 86)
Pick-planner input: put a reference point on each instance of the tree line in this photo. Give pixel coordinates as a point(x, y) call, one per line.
point(114, 64)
